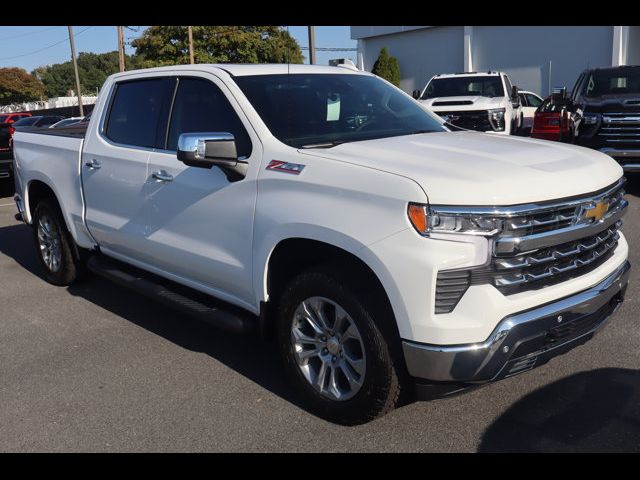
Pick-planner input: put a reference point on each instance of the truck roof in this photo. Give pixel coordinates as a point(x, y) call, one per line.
point(239, 70)
point(468, 74)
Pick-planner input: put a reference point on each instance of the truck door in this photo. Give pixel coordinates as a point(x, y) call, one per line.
point(200, 223)
point(114, 163)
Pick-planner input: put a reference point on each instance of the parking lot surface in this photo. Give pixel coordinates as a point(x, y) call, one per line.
point(94, 367)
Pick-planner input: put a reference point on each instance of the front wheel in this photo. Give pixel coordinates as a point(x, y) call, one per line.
point(54, 244)
point(333, 350)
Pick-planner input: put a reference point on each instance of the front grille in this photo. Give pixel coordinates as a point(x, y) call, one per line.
point(551, 265)
point(557, 261)
point(618, 128)
point(470, 119)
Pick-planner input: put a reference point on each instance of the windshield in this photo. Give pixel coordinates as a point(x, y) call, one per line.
point(613, 82)
point(485, 86)
point(323, 110)
point(3, 118)
point(26, 121)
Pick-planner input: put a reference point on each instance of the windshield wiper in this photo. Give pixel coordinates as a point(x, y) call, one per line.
point(321, 145)
point(416, 132)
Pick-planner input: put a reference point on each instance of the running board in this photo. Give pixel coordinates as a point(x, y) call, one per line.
point(183, 299)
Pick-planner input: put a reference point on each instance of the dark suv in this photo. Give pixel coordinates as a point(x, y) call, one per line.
point(605, 111)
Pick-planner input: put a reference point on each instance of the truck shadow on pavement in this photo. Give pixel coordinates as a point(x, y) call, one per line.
point(595, 411)
point(248, 355)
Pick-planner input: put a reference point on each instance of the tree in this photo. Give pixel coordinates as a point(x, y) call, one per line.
point(17, 85)
point(387, 67)
point(93, 70)
point(169, 45)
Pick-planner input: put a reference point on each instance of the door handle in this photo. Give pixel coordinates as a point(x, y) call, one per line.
point(162, 176)
point(93, 164)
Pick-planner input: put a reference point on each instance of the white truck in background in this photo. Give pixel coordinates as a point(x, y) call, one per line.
point(325, 207)
point(482, 101)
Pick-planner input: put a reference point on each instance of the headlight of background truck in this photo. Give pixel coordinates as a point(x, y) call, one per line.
point(496, 118)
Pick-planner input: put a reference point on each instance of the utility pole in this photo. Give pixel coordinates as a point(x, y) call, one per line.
point(191, 59)
point(121, 47)
point(75, 67)
point(312, 46)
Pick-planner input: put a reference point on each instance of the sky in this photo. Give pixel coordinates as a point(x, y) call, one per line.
point(30, 47)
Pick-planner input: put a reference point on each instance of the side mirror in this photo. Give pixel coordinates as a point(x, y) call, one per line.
point(416, 94)
point(514, 93)
point(208, 149)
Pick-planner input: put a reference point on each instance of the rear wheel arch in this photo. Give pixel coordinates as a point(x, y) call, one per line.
point(37, 190)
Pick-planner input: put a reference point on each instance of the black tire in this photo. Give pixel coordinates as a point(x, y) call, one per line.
point(381, 387)
point(70, 266)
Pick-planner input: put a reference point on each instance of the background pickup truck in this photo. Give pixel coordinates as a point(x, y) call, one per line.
point(482, 101)
point(605, 113)
point(328, 210)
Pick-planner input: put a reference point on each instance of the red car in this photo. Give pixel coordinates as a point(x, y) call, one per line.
point(552, 121)
point(6, 130)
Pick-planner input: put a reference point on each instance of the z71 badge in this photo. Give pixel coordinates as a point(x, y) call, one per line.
point(286, 167)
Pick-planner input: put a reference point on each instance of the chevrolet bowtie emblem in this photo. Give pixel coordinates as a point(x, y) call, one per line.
point(597, 212)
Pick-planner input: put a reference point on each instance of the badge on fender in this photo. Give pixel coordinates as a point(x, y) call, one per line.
point(286, 167)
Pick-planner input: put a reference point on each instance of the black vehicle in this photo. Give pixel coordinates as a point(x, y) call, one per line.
point(605, 113)
point(37, 121)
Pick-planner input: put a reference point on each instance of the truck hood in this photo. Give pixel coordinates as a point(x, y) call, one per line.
point(474, 168)
point(454, 104)
point(613, 103)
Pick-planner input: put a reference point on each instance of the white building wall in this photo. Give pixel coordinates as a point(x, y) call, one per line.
point(633, 49)
point(421, 53)
point(524, 52)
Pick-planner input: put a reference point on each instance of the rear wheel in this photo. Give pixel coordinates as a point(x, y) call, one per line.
point(333, 350)
point(54, 244)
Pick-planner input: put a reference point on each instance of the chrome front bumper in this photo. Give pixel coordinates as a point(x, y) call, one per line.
point(521, 341)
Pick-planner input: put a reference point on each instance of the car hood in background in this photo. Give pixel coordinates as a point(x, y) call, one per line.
point(473, 168)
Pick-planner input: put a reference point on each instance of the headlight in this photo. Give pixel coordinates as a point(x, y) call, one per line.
point(496, 118)
point(428, 220)
point(590, 118)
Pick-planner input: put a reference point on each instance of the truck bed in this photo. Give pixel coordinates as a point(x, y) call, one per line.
point(53, 156)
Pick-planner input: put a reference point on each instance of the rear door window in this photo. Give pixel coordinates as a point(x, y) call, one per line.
point(139, 112)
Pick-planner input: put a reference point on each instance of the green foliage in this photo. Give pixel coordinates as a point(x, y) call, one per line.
point(93, 70)
point(387, 67)
point(169, 45)
point(17, 85)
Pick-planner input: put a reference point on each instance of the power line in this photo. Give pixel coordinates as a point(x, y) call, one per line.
point(11, 37)
point(45, 48)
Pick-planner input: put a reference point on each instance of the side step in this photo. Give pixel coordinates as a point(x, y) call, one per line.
point(183, 299)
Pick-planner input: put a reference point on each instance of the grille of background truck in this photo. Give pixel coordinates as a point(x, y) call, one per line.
point(619, 128)
point(470, 119)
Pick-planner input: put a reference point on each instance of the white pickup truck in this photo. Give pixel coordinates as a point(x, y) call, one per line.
point(327, 208)
point(481, 101)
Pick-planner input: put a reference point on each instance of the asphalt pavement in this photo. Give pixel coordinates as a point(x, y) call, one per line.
point(94, 367)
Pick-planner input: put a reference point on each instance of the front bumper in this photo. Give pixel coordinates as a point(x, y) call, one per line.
point(523, 340)
point(6, 166)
